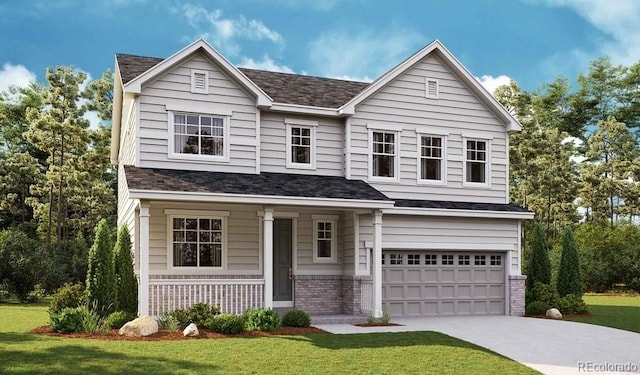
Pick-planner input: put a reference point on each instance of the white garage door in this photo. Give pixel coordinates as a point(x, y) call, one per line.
point(442, 283)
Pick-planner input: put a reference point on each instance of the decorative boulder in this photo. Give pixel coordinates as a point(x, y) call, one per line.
point(142, 326)
point(554, 313)
point(191, 330)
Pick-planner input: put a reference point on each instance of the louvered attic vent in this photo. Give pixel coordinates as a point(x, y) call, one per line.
point(199, 79)
point(433, 89)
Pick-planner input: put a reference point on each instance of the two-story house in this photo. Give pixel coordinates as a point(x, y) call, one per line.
point(248, 188)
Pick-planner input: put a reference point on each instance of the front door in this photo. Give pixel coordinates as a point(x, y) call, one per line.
point(282, 260)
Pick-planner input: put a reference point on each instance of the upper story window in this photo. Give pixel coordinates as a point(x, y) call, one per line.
point(301, 143)
point(432, 88)
point(325, 238)
point(476, 152)
point(199, 81)
point(432, 162)
point(384, 154)
point(198, 136)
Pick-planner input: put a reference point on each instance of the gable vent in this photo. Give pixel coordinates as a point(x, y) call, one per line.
point(199, 81)
point(432, 89)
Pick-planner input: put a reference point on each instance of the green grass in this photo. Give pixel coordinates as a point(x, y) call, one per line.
point(617, 311)
point(381, 353)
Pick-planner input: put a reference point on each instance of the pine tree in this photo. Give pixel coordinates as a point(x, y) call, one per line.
point(539, 266)
point(126, 283)
point(101, 281)
point(569, 281)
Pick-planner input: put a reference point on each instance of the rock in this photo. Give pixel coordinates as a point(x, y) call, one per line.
point(554, 313)
point(142, 326)
point(191, 330)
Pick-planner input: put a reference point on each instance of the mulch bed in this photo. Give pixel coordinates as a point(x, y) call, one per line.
point(563, 316)
point(166, 335)
point(377, 324)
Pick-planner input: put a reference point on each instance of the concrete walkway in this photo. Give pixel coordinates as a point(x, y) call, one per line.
point(549, 346)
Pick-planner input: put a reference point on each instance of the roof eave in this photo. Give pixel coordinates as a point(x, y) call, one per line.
point(116, 115)
point(420, 211)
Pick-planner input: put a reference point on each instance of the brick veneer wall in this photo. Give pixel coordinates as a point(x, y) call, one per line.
point(317, 294)
point(516, 294)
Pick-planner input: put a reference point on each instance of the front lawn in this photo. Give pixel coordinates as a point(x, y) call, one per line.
point(381, 353)
point(617, 311)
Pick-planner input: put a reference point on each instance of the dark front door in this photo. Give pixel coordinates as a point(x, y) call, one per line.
point(282, 249)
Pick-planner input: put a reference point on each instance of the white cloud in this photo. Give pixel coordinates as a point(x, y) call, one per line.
point(360, 55)
point(321, 5)
point(265, 64)
point(491, 83)
point(15, 75)
point(618, 20)
point(223, 32)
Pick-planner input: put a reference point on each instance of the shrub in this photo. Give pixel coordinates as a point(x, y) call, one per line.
point(572, 304)
point(126, 282)
point(229, 324)
point(263, 319)
point(168, 322)
point(101, 286)
point(181, 317)
point(198, 313)
point(569, 281)
point(386, 317)
point(24, 262)
point(296, 318)
point(68, 295)
point(536, 308)
point(36, 294)
point(539, 266)
point(545, 293)
point(69, 319)
point(117, 319)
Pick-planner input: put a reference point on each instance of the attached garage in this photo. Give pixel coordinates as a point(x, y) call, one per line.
point(430, 283)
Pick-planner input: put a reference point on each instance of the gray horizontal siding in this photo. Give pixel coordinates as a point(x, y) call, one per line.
point(304, 261)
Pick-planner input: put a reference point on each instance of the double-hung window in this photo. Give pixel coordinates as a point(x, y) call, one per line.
point(196, 241)
point(432, 163)
point(325, 233)
point(476, 161)
point(301, 143)
point(384, 154)
point(199, 136)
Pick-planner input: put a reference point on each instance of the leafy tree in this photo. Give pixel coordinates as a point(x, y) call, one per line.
point(539, 266)
point(24, 262)
point(101, 280)
point(569, 281)
point(126, 282)
point(14, 104)
point(18, 172)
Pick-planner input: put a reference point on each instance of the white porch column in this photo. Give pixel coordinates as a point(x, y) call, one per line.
point(377, 264)
point(267, 245)
point(143, 288)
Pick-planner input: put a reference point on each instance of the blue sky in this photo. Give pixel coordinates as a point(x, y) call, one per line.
point(531, 41)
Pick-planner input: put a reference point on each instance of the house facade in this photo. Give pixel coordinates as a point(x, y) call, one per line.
point(246, 188)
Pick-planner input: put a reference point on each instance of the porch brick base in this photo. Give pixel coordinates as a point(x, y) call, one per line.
point(319, 294)
point(516, 294)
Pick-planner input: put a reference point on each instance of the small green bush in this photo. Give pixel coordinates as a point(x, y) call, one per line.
point(296, 318)
point(68, 295)
point(117, 319)
point(386, 317)
point(181, 316)
point(199, 314)
point(545, 293)
point(69, 319)
point(229, 324)
point(536, 308)
point(36, 294)
point(168, 321)
point(572, 304)
point(263, 319)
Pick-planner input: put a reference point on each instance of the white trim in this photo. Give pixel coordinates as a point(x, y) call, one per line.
point(312, 144)
point(135, 85)
point(356, 244)
point(477, 135)
point(418, 211)
point(325, 217)
point(137, 132)
point(385, 127)
point(304, 110)
point(196, 214)
point(194, 89)
point(258, 142)
point(226, 154)
point(281, 214)
point(507, 172)
point(320, 272)
point(334, 240)
point(396, 174)
point(143, 288)
point(198, 108)
point(347, 148)
point(301, 122)
point(507, 272)
point(487, 163)
point(282, 303)
point(190, 196)
point(377, 264)
point(429, 130)
point(443, 160)
point(449, 246)
point(427, 80)
point(267, 268)
point(519, 249)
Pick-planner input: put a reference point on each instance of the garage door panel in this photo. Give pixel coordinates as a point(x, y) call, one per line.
point(424, 283)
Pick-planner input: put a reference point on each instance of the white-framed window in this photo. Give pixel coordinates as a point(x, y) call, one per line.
point(432, 158)
point(463, 260)
point(413, 259)
point(384, 156)
point(325, 239)
point(432, 88)
point(197, 240)
point(199, 81)
point(496, 260)
point(447, 259)
point(198, 136)
point(396, 259)
point(480, 260)
point(476, 166)
point(431, 259)
point(301, 143)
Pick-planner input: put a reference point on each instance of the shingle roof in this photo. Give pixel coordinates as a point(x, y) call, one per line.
point(271, 184)
point(450, 205)
point(281, 87)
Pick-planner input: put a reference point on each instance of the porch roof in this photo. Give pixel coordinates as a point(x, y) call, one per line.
point(276, 188)
point(451, 205)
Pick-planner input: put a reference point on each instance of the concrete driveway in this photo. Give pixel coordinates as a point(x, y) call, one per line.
point(549, 346)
